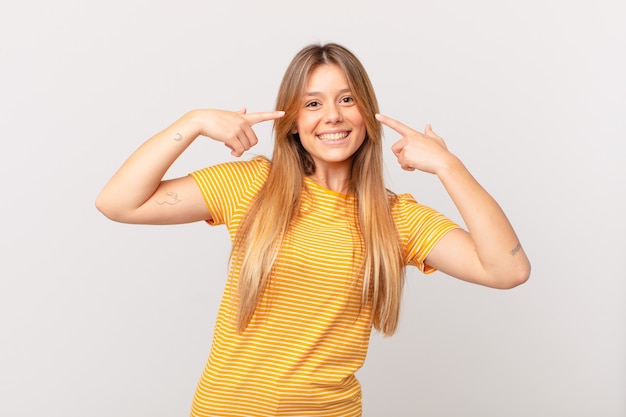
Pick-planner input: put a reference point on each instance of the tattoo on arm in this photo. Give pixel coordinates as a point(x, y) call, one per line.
point(171, 200)
point(178, 137)
point(516, 249)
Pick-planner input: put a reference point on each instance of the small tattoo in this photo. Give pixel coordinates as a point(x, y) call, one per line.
point(173, 199)
point(516, 249)
point(178, 137)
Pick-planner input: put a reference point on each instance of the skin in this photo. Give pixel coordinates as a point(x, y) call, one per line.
point(136, 192)
point(330, 126)
point(488, 253)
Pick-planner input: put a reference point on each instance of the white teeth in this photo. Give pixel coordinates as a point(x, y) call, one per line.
point(333, 136)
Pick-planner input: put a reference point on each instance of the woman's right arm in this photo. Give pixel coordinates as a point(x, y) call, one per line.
point(137, 192)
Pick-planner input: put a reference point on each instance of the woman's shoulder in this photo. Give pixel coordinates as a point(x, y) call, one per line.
point(257, 163)
point(404, 198)
point(400, 201)
point(258, 166)
point(406, 205)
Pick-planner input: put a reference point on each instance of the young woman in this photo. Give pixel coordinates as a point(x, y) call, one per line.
point(319, 244)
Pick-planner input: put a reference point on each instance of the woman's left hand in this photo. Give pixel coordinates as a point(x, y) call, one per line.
point(490, 253)
point(415, 150)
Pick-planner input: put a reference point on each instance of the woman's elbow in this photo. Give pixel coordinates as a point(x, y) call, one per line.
point(515, 277)
point(109, 210)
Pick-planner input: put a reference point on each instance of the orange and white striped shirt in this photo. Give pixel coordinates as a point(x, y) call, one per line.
point(309, 334)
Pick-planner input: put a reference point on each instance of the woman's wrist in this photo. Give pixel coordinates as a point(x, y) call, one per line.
point(451, 167)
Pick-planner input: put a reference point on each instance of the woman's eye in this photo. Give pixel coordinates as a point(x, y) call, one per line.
point(313, 104)
point(347, 100)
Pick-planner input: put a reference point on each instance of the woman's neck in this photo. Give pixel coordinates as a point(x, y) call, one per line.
point(337, 183)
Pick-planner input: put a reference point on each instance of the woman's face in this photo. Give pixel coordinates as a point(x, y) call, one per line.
point(329, 123)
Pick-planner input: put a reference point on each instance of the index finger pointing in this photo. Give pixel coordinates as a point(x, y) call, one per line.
point(254, 118)
point(399, 127)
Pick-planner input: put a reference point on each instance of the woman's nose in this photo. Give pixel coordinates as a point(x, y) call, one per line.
point(333, 114)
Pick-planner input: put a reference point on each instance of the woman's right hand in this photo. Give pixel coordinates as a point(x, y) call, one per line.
point(234, 129)
point(137, 192)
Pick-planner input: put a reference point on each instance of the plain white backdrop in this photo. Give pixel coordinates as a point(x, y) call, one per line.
point(102, 319)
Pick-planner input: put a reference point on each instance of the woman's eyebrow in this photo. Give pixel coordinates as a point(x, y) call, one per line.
point(317, 93)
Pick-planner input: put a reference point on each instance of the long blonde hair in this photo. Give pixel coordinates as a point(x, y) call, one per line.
point(266, 222)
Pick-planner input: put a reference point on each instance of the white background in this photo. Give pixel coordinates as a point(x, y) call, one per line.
point(102, 319)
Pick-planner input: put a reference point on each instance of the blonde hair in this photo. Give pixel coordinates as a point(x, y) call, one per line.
point(266, 222)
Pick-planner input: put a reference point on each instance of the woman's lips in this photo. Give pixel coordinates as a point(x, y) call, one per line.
point(333, 137)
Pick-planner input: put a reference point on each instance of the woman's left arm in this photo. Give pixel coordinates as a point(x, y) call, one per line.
point(489, 252)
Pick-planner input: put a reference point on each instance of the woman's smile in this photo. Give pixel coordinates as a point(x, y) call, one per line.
point(329, 124)
point(334, 137)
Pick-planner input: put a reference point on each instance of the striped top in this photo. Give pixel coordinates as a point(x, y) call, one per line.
point(309, 333)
